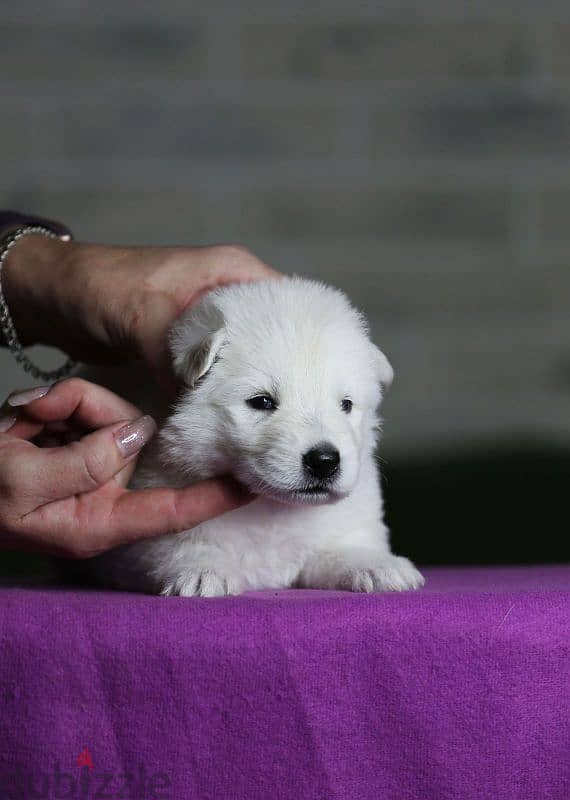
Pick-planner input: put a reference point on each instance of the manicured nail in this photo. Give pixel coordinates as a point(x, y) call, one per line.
point(21, 398)
point(132, 437)
point(6, 422)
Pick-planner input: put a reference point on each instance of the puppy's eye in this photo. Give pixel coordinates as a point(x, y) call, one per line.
point(262, 402)
point(346, 405)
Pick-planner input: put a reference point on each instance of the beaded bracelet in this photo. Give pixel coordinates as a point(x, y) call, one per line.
point(6, 323)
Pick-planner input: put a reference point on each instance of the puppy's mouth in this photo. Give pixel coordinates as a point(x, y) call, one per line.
point(316, 494)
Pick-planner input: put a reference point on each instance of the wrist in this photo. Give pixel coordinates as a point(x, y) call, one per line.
point(35, 279)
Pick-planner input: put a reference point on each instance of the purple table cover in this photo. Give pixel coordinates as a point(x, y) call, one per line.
point(461, 690)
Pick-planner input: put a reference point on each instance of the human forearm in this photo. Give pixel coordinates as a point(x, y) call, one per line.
point(33, 279)
point(109, 303)
point(28, 271)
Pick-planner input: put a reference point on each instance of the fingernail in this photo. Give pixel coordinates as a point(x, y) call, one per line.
point(132, 437)
point(21, 398)
point(6, 422)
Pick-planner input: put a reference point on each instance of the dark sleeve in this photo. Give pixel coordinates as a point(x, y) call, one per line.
point(8, 221)
point(13, 219)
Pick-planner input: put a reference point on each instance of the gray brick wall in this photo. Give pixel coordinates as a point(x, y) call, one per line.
point(417, 155)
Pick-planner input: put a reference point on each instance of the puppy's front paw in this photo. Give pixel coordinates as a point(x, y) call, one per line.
point(390, 574)
point(361, 571)
point(201, 583)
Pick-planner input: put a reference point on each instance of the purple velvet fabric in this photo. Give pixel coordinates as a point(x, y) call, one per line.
point(461, 690)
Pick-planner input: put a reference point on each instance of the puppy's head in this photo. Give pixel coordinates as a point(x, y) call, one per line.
point(280, 387)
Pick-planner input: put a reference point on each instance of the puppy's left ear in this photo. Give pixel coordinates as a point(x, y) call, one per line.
point(195, 341)
point(193, 364)
point(382, 367)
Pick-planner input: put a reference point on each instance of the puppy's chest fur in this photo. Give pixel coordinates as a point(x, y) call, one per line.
point(264, 544)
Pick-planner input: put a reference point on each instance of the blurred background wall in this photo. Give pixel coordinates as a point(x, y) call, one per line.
point(415, 154)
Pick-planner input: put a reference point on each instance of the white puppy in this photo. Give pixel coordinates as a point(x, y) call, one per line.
point(282, 388)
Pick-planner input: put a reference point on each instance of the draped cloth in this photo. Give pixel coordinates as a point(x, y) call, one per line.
point(458, 691)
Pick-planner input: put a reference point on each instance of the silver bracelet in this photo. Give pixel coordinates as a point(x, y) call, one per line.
point(6, 323)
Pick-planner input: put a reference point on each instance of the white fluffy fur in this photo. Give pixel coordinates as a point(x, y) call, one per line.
point(304, 344)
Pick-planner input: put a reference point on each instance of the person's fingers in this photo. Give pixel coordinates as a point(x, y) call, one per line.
point(77, 400)
point(71, 406)
point(14, 425)
point(194, 273)
point(87, 464)
point(144, 513)
point(229, 264)
point(123, 476)
point(17, 425)
point(8, 418)
point(90, 524)
point(158, 313)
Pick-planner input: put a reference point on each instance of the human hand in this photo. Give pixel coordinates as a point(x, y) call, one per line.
point(71, 499)
point(107, 304)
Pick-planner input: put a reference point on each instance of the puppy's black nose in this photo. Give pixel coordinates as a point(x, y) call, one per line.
point(322, 461)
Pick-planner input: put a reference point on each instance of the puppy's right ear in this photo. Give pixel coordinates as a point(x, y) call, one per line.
point(195, 342)
point(382, 368)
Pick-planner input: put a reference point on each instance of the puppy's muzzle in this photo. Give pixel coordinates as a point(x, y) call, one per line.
point(322, 462)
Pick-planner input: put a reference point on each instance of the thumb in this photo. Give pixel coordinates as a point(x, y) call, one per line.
point(89, 463)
